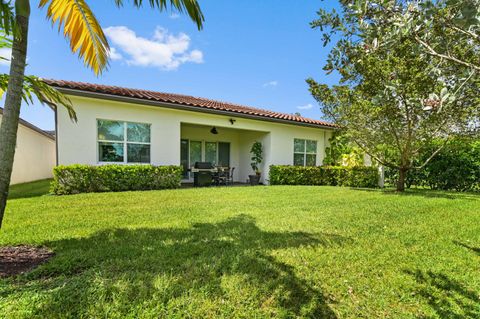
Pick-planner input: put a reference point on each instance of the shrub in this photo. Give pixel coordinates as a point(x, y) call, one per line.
point(455, 167)
point(359, 176)
point(342, 151)
point(74, 179)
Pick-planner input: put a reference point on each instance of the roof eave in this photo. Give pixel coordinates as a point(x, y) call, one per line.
point(32, 127)
point(179, 106)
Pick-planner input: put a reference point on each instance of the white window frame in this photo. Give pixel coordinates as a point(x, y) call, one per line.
point(305, 153)
point(125, 143)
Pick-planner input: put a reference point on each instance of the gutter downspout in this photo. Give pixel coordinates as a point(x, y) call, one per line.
point(56, 137)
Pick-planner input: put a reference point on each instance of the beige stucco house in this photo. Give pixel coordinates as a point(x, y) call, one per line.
point(34, 153)
point(120, 125)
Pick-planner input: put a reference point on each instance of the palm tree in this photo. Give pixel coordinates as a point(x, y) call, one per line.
point(86, 38)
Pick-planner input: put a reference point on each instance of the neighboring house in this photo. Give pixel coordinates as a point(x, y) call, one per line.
point(34, 154)
point(120, 125)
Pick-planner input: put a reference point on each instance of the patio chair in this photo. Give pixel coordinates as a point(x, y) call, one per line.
point(225, 176)
point(229, 180)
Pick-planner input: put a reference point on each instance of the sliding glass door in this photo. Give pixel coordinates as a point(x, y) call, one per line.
point(196, 152)
point(211, 152)
point(184, 156)
point(224, 154)
point(217, 153)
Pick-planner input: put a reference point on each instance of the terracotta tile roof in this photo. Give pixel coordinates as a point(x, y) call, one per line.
point(49, 134)
point(186, 100)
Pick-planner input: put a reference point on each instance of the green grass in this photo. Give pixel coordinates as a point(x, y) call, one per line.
point(248, 252)
point(33, 189)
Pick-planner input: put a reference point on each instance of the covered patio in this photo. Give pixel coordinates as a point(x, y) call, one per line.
point(226, 149)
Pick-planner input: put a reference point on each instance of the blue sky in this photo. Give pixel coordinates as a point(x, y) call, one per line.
point(256, 53)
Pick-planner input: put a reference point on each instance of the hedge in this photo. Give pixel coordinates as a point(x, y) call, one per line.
point(74, 179)
point(360, 176)
point(455, 168)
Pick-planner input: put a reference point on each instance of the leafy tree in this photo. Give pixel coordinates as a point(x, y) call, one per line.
point(86, 38)
point(446, 29)
point(342, 151)
point(393, 97)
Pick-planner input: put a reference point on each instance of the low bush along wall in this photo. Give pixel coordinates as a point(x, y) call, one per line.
point(74, 179)
point(360, 176)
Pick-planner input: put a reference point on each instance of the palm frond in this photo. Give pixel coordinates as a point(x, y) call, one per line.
point(34, 87)
point(7, 17)
point(82, 30)
point(5, 43)
point(190, 6)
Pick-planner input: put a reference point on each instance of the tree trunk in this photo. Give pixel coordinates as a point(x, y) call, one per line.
point(13, 101)
point(402, 174)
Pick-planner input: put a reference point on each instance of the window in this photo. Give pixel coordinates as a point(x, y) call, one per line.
point(304, 152)
point(123, 142)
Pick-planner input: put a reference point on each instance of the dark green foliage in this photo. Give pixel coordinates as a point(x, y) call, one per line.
point(257, 156)
point(360, 176)
point(456, 167)
point(74, 179)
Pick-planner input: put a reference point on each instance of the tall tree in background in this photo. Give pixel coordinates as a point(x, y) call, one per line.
point(86, 38)
point(395, 96)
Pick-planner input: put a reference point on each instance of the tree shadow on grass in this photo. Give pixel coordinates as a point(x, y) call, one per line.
point(427, 193)
point(225, 269)
point(447, 297)
point(31, 189)
point(474, 249)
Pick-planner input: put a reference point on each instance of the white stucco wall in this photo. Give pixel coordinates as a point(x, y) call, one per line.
point(77, 142)
point(34, 156)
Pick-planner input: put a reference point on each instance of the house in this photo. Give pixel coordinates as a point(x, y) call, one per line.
point(121, 125)
point(34, 154)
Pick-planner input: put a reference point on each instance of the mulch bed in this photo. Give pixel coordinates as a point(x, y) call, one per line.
point(16, 260)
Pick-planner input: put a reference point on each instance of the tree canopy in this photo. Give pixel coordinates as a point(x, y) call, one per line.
point(394, 95)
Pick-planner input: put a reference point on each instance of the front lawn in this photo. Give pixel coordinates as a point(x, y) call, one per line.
point(250, 252)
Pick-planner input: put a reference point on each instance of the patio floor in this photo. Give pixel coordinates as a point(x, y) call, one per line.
point(236, 184)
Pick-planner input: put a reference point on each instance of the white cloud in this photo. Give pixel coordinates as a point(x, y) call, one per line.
point(7, 54)
point(270, 83)
point(164, 50)
point(174, 16)
point(305, 107)
point(114, 55)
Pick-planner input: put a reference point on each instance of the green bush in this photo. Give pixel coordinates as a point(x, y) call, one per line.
point(360, 176)
point(456, 167)
point(74, 179)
